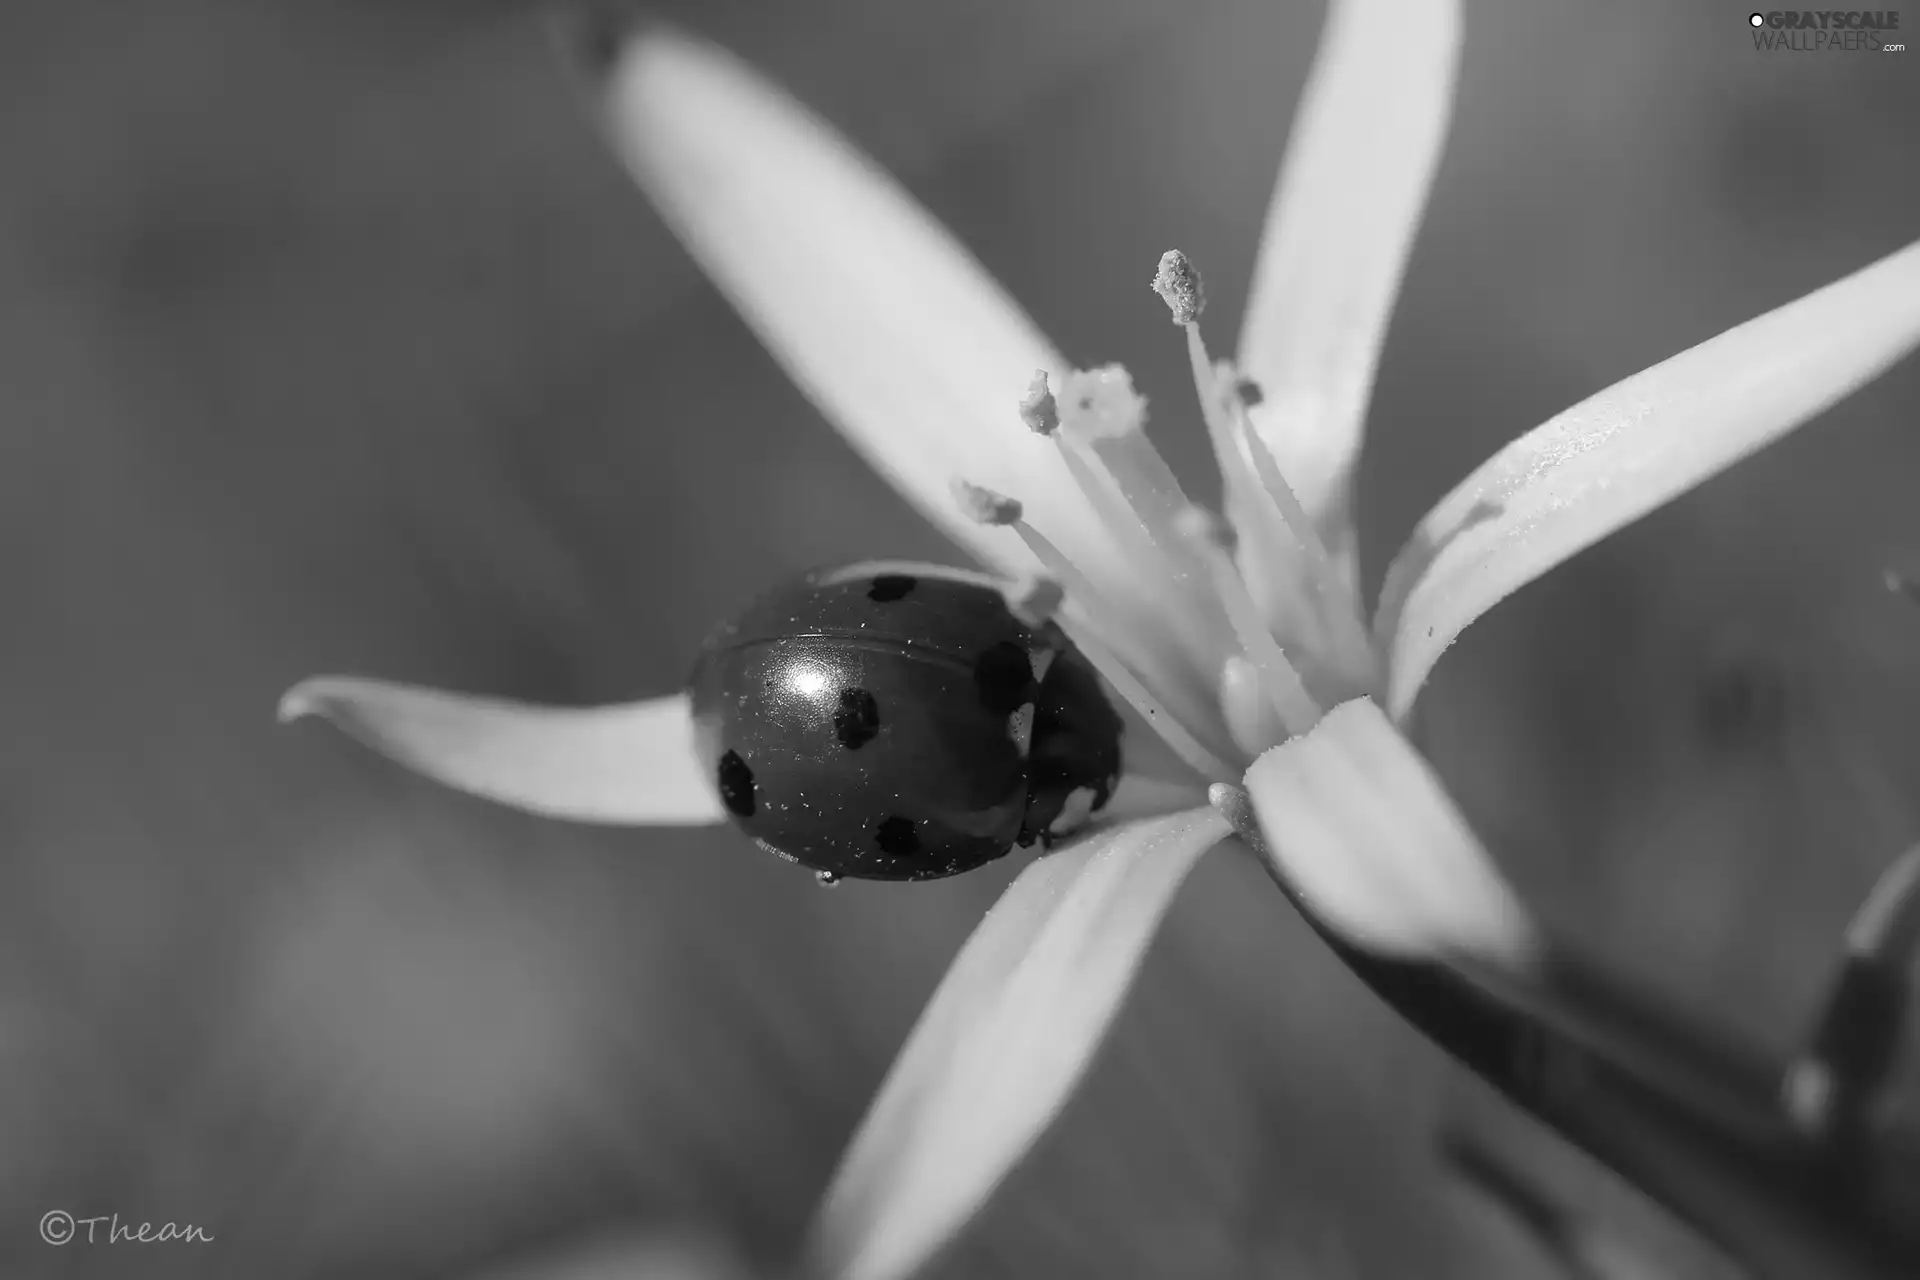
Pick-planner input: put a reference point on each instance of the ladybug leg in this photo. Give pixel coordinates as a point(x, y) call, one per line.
point(1073, 758)
point(1059, 803)
point(1047, 789)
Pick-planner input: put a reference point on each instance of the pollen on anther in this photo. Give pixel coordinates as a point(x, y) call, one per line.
point(984, 506)
point(1177, 281)
point(1038, 409)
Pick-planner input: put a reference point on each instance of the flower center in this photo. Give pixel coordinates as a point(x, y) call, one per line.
point(1223, 672)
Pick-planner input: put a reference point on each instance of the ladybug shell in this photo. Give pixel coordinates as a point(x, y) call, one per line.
point(866, 725)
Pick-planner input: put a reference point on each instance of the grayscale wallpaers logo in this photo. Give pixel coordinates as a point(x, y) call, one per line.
point(1827, 30)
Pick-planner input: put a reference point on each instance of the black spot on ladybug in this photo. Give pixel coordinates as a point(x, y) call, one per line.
point(736, 785)
point(889, 587)
point(857, 719)
point(1004, 678)
point(897, 837)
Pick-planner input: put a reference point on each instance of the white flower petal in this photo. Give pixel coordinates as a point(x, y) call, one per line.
point(630, 764)
point(887, 324)
point(1352, 188)
point(1357, 822)
point(1002, 1043)
point(1639, 444)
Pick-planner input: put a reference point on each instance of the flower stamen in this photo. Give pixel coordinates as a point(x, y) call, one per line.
point(1129, 687)
point(1103, 422)
point(1327, 583)
point(1285, 692)
point(1179, 284)
point(1087, 613)
point(1235, 442)
point(1103, 443)
point(984, 506)
point(1267, 512)
point(1258, 516)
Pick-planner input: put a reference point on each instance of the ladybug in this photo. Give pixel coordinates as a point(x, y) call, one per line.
point(898, 722)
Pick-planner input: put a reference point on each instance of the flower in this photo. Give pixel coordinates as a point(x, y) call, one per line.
point(1236, 646)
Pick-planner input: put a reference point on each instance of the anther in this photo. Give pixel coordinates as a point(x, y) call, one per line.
point(1177, 282)
point(985, 506)
point(1038, 409)
point(1249, 392)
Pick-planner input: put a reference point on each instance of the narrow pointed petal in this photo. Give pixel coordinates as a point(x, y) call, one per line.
point(1634, 447)
point(1352, 188)
point(1356, 821)
point(632, 764)
point(1001, 1045)
point(888, 325)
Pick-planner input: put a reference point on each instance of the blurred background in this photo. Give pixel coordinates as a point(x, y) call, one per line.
point(331, 340)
